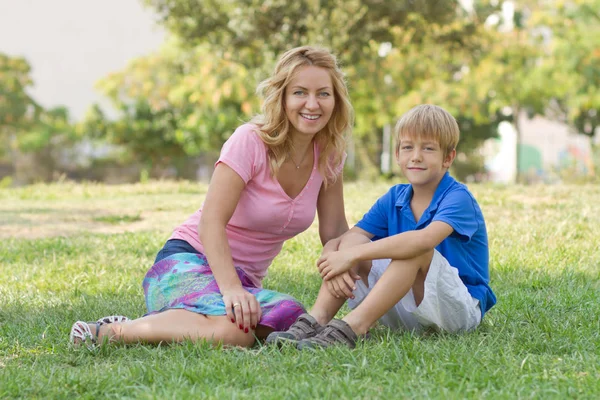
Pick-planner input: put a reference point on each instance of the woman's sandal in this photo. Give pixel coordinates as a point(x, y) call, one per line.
point(81, 330)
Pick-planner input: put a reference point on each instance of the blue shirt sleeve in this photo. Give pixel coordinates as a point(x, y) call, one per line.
point(375, 221)
point(459, 210)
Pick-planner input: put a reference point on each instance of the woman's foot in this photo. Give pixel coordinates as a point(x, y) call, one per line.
point(92, 333)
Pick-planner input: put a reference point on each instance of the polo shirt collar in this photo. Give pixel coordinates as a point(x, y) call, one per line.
point(446, 182)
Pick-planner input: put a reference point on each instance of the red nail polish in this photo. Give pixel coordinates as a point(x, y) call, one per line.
point(246, 330)
point(241, 326)
point(233, 320)
point(253, 327)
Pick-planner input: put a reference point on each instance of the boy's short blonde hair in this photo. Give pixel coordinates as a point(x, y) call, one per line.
point(429, 122)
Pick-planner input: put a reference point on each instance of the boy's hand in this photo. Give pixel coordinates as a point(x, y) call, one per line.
point(343, 285)
point(334, 263)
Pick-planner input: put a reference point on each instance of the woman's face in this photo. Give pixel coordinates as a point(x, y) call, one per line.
point(309, 100)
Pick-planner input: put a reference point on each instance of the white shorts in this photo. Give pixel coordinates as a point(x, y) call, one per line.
point(447, 304)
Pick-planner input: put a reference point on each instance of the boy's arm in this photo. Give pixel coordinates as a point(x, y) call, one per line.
point(352, 237)
point(402, 246)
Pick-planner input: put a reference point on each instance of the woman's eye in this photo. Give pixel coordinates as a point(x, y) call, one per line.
point(324, 94)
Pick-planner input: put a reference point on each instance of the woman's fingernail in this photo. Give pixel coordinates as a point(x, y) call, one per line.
point(241, 326)
point(246, 330)
point(253, 327)
point(233, 320)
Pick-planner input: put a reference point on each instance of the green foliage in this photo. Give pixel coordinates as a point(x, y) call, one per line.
point(16, 106)
point(17, 109)
point(174, 103)
point(395, 54)
point(189, 96)
point(575, 63)
point(258, 31)
point(51, 130)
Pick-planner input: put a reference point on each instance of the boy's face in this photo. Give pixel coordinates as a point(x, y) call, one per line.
point(422, 161)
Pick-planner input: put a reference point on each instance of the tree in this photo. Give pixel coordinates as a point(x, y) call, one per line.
point(17, 109)
point(174, 103)
point(45, 145)
point(395, 54)
point(260, 30)
point(575, 63)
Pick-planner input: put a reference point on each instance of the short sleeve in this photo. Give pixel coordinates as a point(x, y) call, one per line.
point(375, 221)
point(459, 210)
point(243, 152)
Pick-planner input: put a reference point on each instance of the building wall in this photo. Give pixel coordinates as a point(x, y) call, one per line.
point(70, 44)
point(548, 151)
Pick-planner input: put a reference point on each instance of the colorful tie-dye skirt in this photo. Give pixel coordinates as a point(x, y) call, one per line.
point(185, 281)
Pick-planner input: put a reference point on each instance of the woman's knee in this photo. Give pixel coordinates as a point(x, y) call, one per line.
point(231, 335)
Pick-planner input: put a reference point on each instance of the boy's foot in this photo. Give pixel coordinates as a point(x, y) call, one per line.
point(306, 326)
point(336, 332)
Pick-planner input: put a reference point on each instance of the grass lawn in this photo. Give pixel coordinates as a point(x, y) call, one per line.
point(70, 251)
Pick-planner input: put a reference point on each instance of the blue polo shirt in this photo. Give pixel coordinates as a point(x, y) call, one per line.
point(466, 248)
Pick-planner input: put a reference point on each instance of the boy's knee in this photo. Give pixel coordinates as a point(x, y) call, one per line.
point(419, 264)
point(363, 269)
point(424, 261)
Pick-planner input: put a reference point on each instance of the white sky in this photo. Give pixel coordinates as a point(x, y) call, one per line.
point(70, 44)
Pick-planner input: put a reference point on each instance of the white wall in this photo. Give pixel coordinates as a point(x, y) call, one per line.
point(70, 44)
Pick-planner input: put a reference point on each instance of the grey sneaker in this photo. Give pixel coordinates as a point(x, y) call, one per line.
point(305, 327)
point(336, 332)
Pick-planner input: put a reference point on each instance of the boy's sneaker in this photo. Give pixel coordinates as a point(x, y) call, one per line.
point(305, 327)
point(336, 332)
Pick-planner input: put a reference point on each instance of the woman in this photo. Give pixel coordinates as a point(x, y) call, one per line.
point(273, 174)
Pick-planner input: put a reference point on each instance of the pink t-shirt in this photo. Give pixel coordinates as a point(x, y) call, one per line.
point(265, 216)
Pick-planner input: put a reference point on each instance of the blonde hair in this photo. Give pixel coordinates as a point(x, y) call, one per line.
point(274, 126)
point(429, 122)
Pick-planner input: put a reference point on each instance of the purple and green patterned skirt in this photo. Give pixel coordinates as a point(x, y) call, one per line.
point(185, 281)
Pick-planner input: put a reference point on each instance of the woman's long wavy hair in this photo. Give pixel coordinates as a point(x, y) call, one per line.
point(274, 126)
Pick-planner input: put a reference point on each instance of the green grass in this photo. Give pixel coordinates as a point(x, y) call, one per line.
point(73, 252)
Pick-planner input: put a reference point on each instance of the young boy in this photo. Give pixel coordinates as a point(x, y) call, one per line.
point(418, 259)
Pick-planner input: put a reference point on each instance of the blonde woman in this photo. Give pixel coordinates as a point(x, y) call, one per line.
point(272, 176)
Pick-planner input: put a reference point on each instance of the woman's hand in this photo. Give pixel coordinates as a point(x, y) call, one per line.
point(242, 308)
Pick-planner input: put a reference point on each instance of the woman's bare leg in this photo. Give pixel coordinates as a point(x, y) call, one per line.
point(177, 325)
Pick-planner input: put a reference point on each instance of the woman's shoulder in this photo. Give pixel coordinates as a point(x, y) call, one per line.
point(247, 135)
point(249, 130)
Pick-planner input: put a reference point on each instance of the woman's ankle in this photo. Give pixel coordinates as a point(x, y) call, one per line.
point(109, 332)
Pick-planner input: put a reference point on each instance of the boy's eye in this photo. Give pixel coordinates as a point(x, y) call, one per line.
point(406, 147)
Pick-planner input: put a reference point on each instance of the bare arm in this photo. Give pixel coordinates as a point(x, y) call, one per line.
point(332, 216)
point(223, 195)
point(402, 246)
